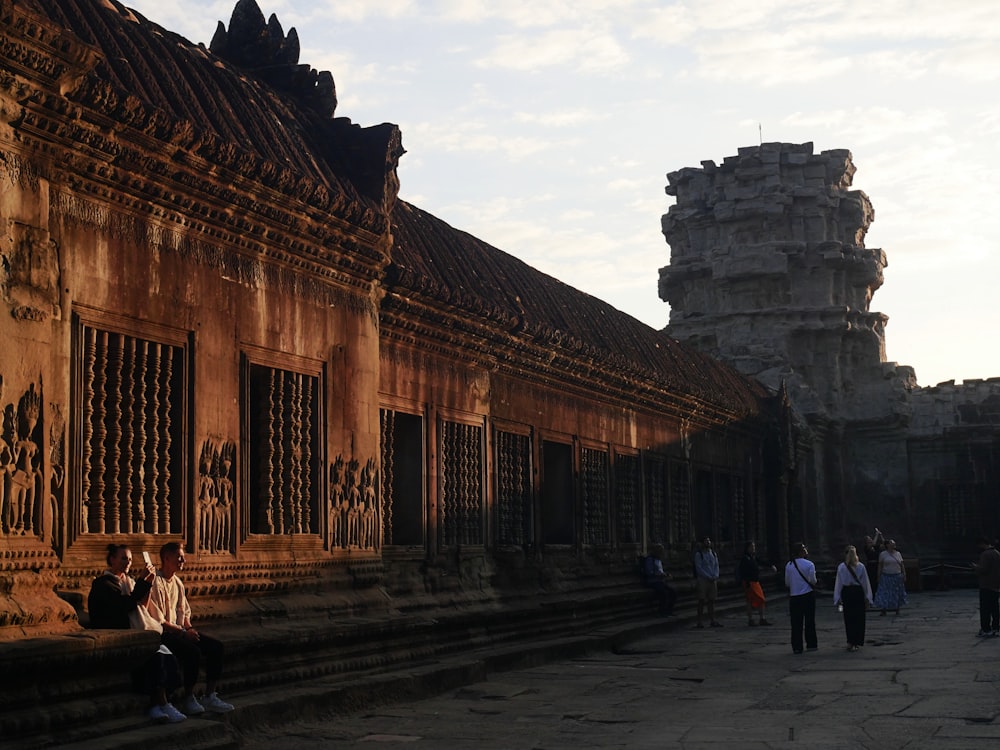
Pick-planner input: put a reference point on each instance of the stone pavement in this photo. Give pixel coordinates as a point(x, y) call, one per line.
point(924, 680)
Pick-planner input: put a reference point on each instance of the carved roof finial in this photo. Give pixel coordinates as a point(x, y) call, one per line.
point(263, 48)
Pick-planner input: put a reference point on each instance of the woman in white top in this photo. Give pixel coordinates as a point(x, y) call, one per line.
point(854, 592)
point(891, 593)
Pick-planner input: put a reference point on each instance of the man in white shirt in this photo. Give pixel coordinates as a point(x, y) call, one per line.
point(800, 578)
point(168, 604)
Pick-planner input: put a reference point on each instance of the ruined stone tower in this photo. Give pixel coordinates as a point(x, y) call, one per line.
point(769, 272)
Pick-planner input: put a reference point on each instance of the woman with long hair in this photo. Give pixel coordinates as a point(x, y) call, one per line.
point(853, 591)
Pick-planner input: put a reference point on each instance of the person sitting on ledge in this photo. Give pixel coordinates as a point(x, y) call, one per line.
point(117, 602)
point(168, 604)
point(655, 577)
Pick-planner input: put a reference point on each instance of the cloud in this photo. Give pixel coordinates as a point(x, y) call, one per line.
point(584, 49)
point(559, 119)
point(533, 14)
point(767, 59)
point(979, 62)
point(864, 125)
point(352, 11)
point(472, 136)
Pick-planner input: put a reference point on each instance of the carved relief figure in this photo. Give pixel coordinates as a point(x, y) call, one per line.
point(369, 516)
point(206, 498)
point(23, 482)
point(224, 499)
point(6, 460)
point(51, 526)
point(215, 497)
point(354, 506)
point(353, 509)
point(337, 511)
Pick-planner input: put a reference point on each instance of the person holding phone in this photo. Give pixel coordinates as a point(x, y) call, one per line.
point(118, 602)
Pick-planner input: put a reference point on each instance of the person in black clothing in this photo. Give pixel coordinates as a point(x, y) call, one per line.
point(800, 578)
point(748, 573)
point(655, 577)
point(117, 602)
point(873, 548)
point(109, 603)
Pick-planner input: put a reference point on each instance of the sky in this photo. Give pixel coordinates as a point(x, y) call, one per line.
point(547, 129)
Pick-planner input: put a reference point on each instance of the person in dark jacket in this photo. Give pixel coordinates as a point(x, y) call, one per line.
point(749, 574)
point(988, 572)
point(117, 602)
point(656, 579)
point(113, 596)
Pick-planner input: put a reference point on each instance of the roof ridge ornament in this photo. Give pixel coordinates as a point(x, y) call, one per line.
point(262, 48)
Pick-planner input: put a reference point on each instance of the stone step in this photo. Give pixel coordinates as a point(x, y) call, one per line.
point(76, 689)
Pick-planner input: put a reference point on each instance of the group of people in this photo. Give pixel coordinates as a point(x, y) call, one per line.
point(156, 600)
point(857, 587)
point(705, 567)
point(853, 590)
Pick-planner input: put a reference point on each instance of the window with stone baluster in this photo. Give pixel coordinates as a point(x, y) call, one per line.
point(130, 397)
point(461, 483)
point(282, 405)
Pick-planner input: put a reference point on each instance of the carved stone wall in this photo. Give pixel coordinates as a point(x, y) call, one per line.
point(204, 343)
point(954, 462)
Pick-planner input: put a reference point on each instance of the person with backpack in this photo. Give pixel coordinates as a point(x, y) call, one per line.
point(655, 577)
point(800, 578)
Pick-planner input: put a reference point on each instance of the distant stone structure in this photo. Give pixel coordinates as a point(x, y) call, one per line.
point(769, 272)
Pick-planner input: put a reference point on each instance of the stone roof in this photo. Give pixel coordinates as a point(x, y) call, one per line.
point(435, 260)
point(248, 105)
point(274, 124)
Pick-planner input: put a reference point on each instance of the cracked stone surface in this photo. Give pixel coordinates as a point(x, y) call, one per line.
point(924, 680)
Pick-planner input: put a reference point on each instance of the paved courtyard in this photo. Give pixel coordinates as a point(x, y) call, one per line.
point(924, 680)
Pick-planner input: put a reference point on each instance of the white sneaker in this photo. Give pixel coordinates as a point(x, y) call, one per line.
point(214, 703)
point(157, 714)
point(191, 706)
point(173, 716)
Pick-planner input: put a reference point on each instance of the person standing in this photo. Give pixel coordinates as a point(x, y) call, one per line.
point(706, 571)
point(854, 592)
point(749, 574)
point(800, 578)
point(988, 571)
point(891, 591)
point(873, 548)
point(168, 604)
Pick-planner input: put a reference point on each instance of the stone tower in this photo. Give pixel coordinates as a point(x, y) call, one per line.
point(769, 272)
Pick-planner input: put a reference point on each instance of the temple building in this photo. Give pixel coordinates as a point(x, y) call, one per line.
point(222, 327)
point(769, 272)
